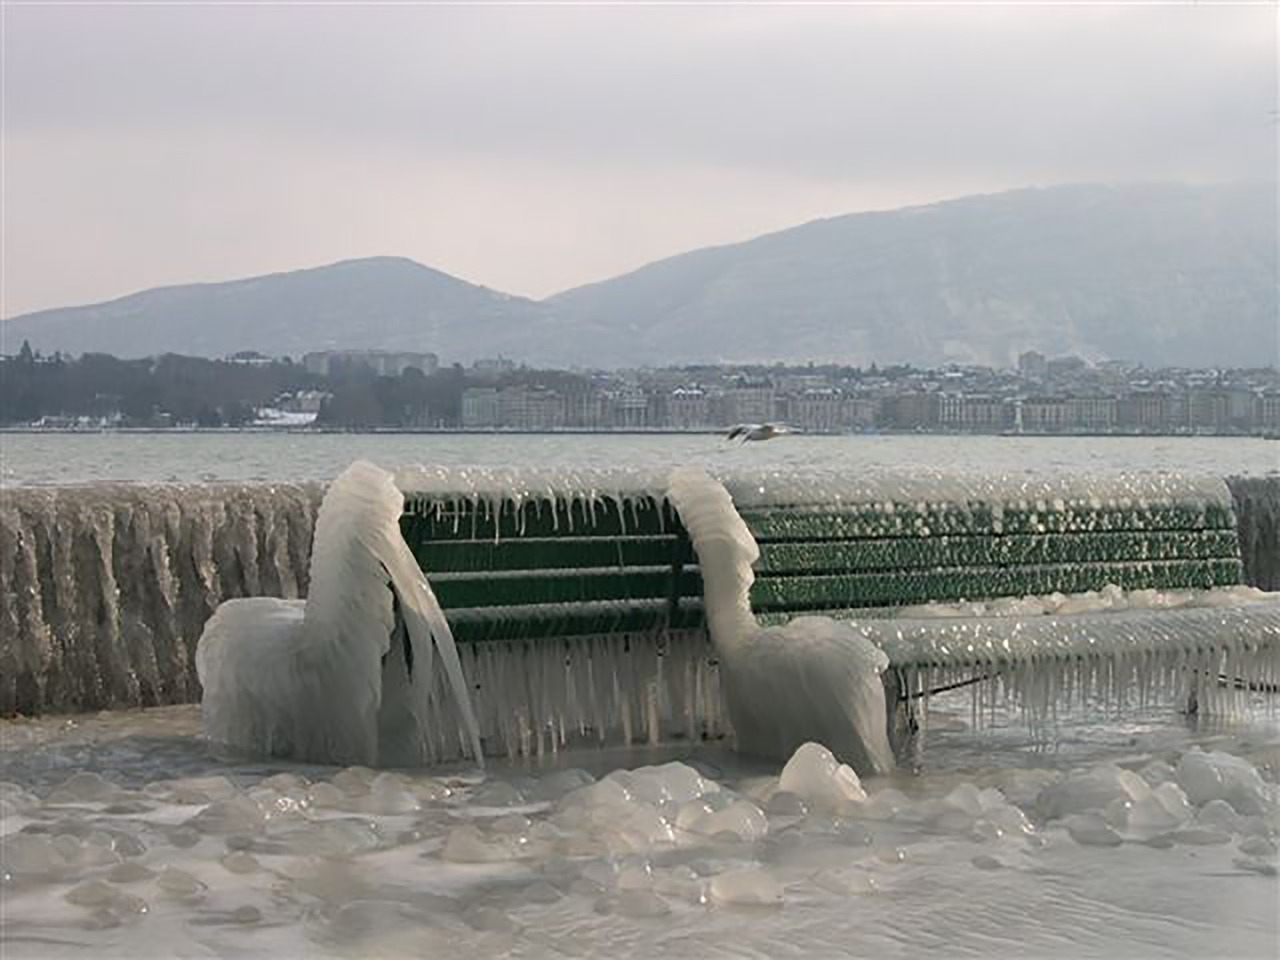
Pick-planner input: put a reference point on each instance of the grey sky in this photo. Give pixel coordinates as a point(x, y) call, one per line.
point(533, 149)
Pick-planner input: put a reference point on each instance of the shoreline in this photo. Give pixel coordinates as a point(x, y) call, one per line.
point(590, 431)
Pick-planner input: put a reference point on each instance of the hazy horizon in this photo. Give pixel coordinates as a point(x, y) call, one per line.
point(393, 255)
point(531, 150)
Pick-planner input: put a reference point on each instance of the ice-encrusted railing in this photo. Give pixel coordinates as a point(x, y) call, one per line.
point(104, 589)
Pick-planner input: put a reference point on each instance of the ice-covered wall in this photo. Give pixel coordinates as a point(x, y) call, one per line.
point(1257, 501)
point(105, 588)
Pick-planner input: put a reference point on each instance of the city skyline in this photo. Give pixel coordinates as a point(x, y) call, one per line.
point(372, 389)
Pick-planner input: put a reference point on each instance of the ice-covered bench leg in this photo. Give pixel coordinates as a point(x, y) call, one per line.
point(812, 679)
point(321, 681)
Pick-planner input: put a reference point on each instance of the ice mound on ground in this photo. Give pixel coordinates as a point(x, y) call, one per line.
point(815, 776)
point(605, 816)
point(750, 886)
point(1088, 791)
point(1165, 808)
point(345, 677)
point(470, 844)
point(741, 819)
point(653, 808)
point(1202, 801)
point(1208, 776)
point(812, 679)
point(673, 781)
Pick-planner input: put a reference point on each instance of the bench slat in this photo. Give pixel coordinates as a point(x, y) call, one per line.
point(472, 556)
point(565, 586)
point(804, 525)
point(471, 625)
point(905, 553)
point(980, 583)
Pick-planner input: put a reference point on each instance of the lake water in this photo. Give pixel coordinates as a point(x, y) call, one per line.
point(1138, 835)
point(48, 458)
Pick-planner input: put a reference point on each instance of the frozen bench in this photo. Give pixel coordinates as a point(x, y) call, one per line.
point(548, 567)
point(616, 575)
point(966, 584)
point(579, 608)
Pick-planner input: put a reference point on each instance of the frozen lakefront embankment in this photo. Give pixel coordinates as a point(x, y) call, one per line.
point(104, 589)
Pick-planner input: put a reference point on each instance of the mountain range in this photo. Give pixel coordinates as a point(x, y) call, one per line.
point(1166, 274)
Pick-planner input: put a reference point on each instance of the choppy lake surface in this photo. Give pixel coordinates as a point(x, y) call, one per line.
point(49, 458)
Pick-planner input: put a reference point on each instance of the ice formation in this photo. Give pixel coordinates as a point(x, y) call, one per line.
point(1217, 655)
point(536, 698)
point(1257, 505)
point(488, 491)
point(104, 589)
point(812, 679)
point(1177, 840)
point(346, 676)
point(815, 776)
point(1109, 598)
point(924, 486)
point(1207, 648)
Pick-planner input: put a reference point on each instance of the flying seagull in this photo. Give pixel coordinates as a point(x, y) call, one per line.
point(746, 432)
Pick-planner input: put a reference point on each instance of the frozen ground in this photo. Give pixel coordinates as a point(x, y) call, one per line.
point(122, 835)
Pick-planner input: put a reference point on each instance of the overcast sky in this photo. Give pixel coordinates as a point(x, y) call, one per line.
point(533, 149)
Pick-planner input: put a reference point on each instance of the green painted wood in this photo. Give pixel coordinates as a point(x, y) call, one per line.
point(479, 625)
point(546, 570)
point(484, 556)
point(570, 586)
point(905, 553)
point(804, 525)
point(808, 592)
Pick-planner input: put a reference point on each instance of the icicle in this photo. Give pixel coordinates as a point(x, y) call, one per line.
point(140, 568)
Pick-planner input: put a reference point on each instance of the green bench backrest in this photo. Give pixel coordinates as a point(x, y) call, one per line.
point(548, 568)
point(814, 559)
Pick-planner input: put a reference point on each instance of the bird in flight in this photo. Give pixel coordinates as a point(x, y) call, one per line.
point(747, 432)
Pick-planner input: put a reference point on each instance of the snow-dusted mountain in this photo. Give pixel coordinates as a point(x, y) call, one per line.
point(388, 303)
point(1164, 274)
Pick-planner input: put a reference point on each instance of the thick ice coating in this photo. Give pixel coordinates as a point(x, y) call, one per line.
point(815, 776)
point(1048, 493)
point(811, 679)
point(1177, 842)
point(348, 676)
point(131, 573)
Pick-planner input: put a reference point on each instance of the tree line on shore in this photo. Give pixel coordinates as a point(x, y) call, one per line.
point(180, 390)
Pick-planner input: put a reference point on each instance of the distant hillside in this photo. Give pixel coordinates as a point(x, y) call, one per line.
point(383, 302)
point(1161, 274)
